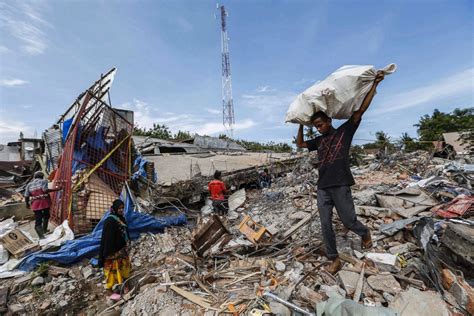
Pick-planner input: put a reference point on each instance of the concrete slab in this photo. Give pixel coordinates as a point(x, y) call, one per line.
point(175, 168)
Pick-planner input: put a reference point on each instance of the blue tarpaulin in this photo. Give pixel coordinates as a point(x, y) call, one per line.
point(66, 126)
point(140, 162)
point(94, 146)
point(88, 246)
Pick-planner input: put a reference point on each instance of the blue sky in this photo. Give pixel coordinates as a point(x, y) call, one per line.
point(168, 59)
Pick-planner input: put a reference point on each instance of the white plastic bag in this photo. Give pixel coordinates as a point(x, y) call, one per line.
point(7, 226)
point(339, 95)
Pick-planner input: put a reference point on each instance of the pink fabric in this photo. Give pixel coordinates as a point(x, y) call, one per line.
point(42, 202)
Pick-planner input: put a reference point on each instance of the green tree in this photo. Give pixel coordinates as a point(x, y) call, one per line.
point(381, 138)
point(271, 146)
point(382, 141)
point(432, 127)
point(157, 131)
point(182, 135)
point(410, 144)
point(163, 132)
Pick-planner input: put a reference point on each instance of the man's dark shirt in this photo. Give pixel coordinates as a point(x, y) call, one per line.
point(333, 155)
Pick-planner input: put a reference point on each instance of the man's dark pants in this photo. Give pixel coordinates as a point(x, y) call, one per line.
point(221, 207)
point(341, 198)
point(41, 221)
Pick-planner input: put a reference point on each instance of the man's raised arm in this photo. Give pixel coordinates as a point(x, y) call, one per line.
point(300, 143)
point(357, 115)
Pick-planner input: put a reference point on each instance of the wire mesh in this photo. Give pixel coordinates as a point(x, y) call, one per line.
point(95, 162)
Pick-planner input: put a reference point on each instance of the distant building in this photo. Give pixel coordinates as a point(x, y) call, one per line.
point(22, 150)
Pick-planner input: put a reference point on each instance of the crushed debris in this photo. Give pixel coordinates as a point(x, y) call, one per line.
point(265, 256)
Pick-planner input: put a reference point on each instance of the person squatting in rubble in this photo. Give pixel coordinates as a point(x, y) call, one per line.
point(114, 247)
point(37, 198)
point(264, 179)
point(217, 191)
point(335, 177)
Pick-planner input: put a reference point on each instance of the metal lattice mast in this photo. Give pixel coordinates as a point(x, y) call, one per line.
point(227, 101)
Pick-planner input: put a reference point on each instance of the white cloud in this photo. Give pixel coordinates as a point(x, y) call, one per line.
point(183, 24)
point(264, 89)
point(12, 82)
point(24, 22)
point(453, 85)
point(3, 49)
point(10, 130)
point(269, 106)
point(217, 127)
point(213, 111)
point(304, 82)
point(146, 115)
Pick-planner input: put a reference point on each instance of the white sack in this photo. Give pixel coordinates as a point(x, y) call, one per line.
point(58, 237)
point(339, 95)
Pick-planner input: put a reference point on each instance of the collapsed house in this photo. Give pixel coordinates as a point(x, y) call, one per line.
point(95, 160)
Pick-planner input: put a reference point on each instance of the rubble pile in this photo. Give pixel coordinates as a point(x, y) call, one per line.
point(52, 289)
point(237, 275)
point(267, 254)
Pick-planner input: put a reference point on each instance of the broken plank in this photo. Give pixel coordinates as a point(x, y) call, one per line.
point(243, 278)
point(298, 225)
point(416, 283)
point(350, 259)
point(202, 286)
point(166, 276)
point(193, 298)
point(360, 283)
point(310, 295)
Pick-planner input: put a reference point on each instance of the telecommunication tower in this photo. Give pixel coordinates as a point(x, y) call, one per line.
point(227, 101)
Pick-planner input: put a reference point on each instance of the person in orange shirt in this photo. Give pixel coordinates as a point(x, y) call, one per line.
point(217, 190)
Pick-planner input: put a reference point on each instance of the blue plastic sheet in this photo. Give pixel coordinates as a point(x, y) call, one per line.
point(93, 147)
point(88, 246)
point(141, 172)
point(66, 126)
